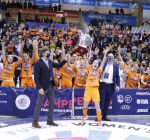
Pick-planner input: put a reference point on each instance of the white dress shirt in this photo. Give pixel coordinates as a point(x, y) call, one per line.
point(46, 62)
point(108, 71)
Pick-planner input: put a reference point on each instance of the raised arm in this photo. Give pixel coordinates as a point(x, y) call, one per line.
point(63, 50)
point(21, 49)
point(55, 65)
point(35, 51)
point(104, 57)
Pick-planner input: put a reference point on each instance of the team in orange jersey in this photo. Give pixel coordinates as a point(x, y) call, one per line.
point(67, 72)
point(8, 68)
point(92, 87)
point(92, 90)
point(133, 78)
point(26, 66)
point(80, 78)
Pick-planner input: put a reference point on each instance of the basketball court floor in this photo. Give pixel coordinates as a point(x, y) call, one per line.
point(119, 128)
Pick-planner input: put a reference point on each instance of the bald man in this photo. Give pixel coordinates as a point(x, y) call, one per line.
point(109, 82)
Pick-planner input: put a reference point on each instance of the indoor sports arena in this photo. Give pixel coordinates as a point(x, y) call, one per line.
point(75, 69)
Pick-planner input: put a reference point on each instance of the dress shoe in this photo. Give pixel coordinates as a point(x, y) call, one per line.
point(106, 119)
point(36, 124)
point(52, 123)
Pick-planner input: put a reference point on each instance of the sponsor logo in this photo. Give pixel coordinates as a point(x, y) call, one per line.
point(125, 107)
point(128, 99)
point(22, 102)
point(142, 110)
point(120, 98)
point(142, 101)
point(142, 93)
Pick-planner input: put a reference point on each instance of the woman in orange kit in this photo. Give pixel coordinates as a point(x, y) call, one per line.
point(92, 87)
point(68, 71)
point(26, 68)
point(8, 68)
point(80, 78)
point(92, 90)
point(133, 78)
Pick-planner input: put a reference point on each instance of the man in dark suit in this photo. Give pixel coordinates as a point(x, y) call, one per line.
point(44, 80)
point(109, 82)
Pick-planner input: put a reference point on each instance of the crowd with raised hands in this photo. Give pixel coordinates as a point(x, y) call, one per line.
point(21, 48)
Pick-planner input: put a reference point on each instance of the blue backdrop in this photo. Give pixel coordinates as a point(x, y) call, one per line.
point(126, 20)
point(89, 3)
point(21, 101)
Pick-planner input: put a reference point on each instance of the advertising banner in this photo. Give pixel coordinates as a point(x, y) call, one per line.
point(46, 25)
point(131, 101)
point(113, 4)
point(45, 2)
point(146, 6)
point(80, 2)
point(120, 19)
point(20, 102)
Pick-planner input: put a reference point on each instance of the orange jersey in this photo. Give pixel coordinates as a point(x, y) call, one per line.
point(11, 47)
point(8, 70)
point(132, 79)
point(80, 79)
point(93, 77)
point(26, 70)
point(68, 71)
point(56, 75)
point(126, 67)
point(146, 79)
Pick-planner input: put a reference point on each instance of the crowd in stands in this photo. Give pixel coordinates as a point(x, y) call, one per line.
point(132, 49)
point(27, 4)
point(117, 11)
point(20, 48)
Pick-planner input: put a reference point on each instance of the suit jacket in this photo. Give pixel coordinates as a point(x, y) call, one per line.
point(116, 78)
point(43, 75)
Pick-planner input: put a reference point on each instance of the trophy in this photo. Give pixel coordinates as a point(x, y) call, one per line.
point(85, 43)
